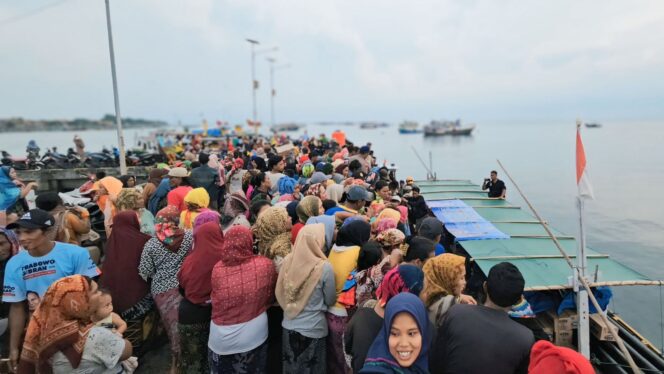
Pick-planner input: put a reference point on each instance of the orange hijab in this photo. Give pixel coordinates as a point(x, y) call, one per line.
point(60, 323)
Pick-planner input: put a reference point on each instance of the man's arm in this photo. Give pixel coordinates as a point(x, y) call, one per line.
point(502, 195)
point(485, 185)
point(17, 319)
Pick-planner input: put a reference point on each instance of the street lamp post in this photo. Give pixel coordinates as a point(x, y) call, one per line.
point(254, 83)
point(116, 98)
point(273, 92)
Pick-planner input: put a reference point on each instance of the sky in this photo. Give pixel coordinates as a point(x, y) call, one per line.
point(186, 60)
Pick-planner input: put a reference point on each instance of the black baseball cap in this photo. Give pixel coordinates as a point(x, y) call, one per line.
point(34, 219)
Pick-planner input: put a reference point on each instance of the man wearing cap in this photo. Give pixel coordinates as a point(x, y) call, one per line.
point(432, 229)
point(468, 329)
point(410, 181)
point(356, 199)
point(275, 166)
point(41, 263)
point(319, 177)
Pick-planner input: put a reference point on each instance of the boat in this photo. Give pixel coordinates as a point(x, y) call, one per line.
point(593, 125)
point(372, 125)
point(489, 231)
point(284, 127)
point(441, 128)
point(409, 127)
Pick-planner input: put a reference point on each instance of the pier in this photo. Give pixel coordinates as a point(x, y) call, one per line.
point(62, 180)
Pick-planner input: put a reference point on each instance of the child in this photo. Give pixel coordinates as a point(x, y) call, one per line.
point(104, 316)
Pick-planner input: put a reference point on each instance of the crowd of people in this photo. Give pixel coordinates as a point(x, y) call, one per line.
point(256, 255)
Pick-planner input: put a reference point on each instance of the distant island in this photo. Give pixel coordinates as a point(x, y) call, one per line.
point(78, 124)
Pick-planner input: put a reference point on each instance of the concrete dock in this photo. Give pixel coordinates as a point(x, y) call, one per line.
point(62, 180)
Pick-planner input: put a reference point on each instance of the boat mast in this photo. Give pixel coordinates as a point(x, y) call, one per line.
point(583, 336)
point(116, 98)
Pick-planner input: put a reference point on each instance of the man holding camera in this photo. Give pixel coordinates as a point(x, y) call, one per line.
point(495, 186)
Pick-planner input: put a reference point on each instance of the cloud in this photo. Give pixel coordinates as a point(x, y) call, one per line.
point(368, 59)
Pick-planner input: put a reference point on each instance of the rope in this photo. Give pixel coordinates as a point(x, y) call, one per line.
point(661, 320)
point(595, 361)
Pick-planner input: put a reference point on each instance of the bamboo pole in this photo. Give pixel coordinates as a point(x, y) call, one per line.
point(583, 281)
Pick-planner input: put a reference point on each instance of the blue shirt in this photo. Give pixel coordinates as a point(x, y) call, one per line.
point(35, 274)
point(439, 249)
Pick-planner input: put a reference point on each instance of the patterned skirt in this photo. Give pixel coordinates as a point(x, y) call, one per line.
point(302, 354)
point(336, 359)
point(254, 361)
point(168, 303)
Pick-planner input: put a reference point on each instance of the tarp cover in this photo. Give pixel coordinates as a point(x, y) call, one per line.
point(464, 222)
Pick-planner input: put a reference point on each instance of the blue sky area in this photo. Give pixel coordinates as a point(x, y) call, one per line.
point(369, 60)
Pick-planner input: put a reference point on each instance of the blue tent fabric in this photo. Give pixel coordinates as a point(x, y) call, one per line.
point(603, 295)
point(464, 222)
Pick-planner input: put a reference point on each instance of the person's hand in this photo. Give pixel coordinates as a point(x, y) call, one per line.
point(467, 299)
point(13, 360)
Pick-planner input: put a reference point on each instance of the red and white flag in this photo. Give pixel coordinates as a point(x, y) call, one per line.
point(582, 179)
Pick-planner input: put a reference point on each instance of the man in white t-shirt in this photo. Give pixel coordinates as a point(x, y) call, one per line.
point(34, 269)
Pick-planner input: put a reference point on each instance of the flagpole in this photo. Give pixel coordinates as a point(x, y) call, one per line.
point(583, 333)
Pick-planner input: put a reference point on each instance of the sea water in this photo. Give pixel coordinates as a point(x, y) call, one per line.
point(625, 163)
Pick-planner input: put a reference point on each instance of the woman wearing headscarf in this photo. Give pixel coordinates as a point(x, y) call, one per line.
point(235, 211)
point(197, 201)
point(317, 190)
point(405, 329)
point(310, 206)
point(444, 282)
point(343, 257)
point(9, 247)
point(61, 338)
point(235, 176)
point(154, 179)
point(242, 290)
point(130, 292)
point(305, 289)
point(273, 233)
point(546, 358)
point(195, 309)
point(334, 192)
point(363, 328)
point(161, 260)
point(205, 217)
point(11, 189)
point(131, 199)
point(109, 189)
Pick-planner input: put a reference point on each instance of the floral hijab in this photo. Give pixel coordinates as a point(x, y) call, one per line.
point(441, 274)
point(167, 228)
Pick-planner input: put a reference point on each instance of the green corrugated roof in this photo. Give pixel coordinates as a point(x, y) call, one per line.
point(444, 182)
point(529, 248)
point(468, 187)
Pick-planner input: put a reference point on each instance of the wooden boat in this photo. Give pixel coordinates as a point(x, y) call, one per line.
point(441, 128)
point(372, 125)
point(544, 269)
point(286, 127)
point(409, 127)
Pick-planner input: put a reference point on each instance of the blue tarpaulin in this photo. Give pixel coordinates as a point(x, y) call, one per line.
point(464, 222)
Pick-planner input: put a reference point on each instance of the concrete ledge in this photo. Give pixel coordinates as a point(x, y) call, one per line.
point(62, 180)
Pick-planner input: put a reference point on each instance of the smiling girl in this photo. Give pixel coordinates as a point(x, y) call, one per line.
point(403, 343)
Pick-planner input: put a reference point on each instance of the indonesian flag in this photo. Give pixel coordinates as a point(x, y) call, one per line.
point(582, 179)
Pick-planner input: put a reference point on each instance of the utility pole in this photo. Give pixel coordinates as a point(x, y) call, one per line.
point(254, 83)
point(273, 91)
point(116, 98)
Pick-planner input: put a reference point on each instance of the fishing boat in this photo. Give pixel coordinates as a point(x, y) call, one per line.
point(372, 125)
point(441, 128)
point(409, 127)
point(593, 125)
point(284, 127)
point(489, 231)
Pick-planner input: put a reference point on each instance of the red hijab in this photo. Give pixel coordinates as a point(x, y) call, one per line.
point(546, 358)
point(196, 270)
point(123, 254)
point(242, 283)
